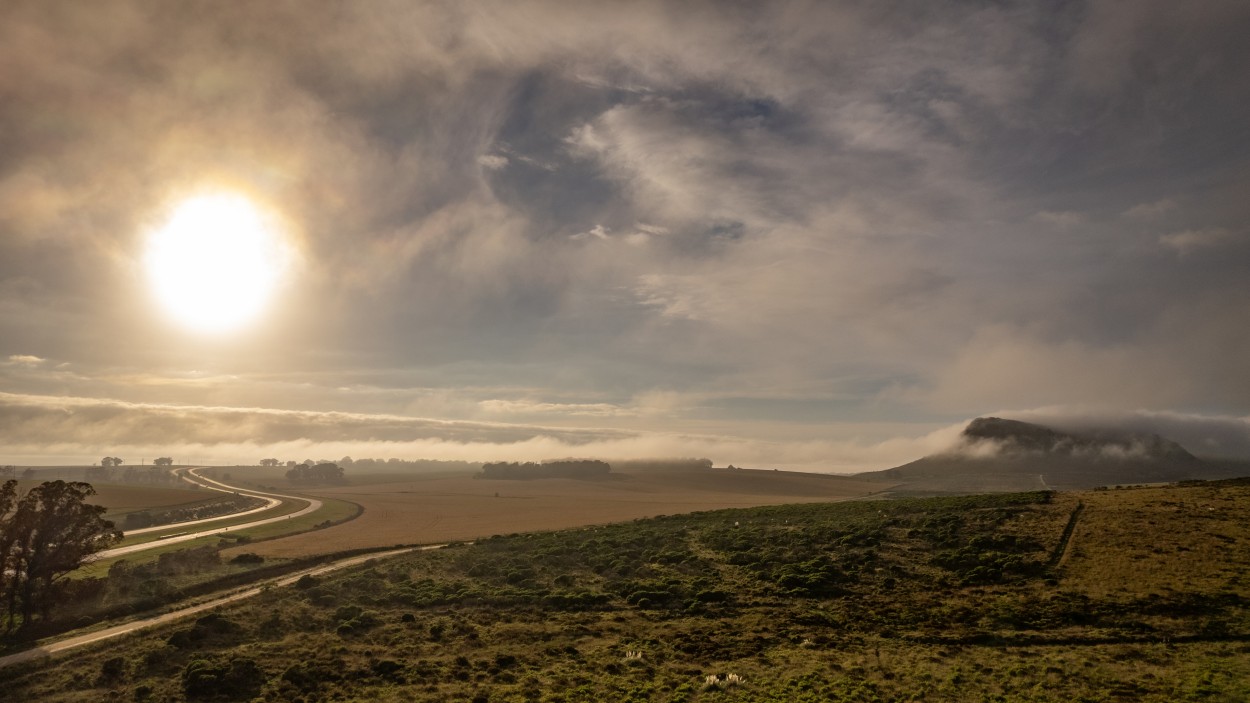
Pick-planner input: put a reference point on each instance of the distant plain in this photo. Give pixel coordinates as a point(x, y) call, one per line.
point(441, 508)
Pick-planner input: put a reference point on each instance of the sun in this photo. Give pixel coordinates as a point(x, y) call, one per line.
point(216, 262)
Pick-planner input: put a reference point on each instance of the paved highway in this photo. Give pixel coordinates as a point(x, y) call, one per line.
point(313, 504)
point(205, 483)
point(52, 648)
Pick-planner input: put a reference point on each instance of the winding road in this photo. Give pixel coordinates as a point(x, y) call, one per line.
point(51, 648)
point(272, 500)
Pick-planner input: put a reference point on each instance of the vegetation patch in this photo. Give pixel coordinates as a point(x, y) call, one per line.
point(939, 599)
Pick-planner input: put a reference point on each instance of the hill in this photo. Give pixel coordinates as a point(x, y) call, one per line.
point(996, 455)
point(1105, 595)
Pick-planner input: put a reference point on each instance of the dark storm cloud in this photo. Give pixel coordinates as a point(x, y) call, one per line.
point(901, 211)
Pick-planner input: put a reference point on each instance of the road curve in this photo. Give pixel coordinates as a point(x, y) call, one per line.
point(207, 483)
point(313, 505)
point(52, 648)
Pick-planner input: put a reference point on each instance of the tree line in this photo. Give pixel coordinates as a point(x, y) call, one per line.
point(391, 465)
point(44, 535)
point(156, 474)
point(568, 468)
point(316, 473)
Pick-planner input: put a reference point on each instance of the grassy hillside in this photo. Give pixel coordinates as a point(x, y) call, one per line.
point(1100, 596)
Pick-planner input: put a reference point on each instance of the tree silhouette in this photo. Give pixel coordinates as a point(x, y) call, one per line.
point(325, 472)
point(46, 534)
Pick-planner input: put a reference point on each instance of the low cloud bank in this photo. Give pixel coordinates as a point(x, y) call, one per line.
point(1225, 436)
point(51, 429)
point(48, 429)
point(1128, 434)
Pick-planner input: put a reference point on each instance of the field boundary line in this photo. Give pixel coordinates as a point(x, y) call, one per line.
point(1064, 549)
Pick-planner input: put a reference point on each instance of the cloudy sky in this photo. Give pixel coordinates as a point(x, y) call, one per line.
point(817, 235)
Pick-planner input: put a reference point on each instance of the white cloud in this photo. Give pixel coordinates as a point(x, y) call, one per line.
point(597, 232)
point(1191, 240)
point(492, 162)
point(1151, 210)
point(526, 407)
point(1063, 219)
point(43, 428)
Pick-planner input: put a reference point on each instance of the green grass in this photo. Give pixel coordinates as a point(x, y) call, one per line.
point(332, 510)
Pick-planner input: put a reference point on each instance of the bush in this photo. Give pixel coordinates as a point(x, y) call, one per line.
point(112, 670)
point(231, 679)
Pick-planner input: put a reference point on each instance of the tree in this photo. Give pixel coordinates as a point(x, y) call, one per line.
point(270, 462)
point(325, 472)
point(163, 461)
point(8, 535)
point(50, 532)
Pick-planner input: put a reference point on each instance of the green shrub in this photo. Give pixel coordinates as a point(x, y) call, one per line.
point(232, 679)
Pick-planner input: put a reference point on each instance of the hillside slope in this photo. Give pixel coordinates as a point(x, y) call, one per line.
point(996, 455)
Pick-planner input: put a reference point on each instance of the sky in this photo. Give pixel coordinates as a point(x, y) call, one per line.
point(811, 235)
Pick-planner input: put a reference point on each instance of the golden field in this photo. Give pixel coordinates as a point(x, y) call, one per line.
point(120, 498)
point(422, 510)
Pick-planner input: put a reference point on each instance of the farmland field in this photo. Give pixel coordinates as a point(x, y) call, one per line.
point(420, 510)
point(121, 498)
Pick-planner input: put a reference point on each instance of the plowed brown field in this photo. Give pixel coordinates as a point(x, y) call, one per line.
point(122, 498)
point(427, 510)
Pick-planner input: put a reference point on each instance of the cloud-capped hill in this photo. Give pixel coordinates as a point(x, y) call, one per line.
point(997, 436)
point(995, 454)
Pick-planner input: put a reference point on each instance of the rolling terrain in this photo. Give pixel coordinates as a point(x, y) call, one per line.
point(1133, 594)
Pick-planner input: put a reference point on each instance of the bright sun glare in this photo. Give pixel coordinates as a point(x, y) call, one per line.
point(215, 263)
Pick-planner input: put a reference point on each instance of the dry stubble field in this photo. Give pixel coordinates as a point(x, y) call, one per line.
point(422, 510)
point(121, 498)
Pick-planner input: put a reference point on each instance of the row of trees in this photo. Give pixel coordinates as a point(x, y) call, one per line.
point(385, 465)
point(568, 468)
point(9, 471)
point(44, 535)
point(317, 473)
point(155, 475)
point(115, 461)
